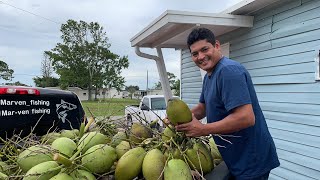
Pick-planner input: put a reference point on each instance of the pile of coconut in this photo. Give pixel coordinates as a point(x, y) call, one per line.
point(102, 150)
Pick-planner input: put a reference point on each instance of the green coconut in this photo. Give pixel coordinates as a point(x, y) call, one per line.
point(122, 148)
point(4, 168)
point(80, 174)
point(61, 176)
point(199, 158)
point(214, 149)
point(178, 112)
point(153, 165)
point(117, 138)
point(33, 155)
point(129, 165)
point(168, 133)
point(91, 139)
point(3, 176)
point(72, 134)
point(173, 153)
point(50, 137)
point(177, 169)
point(43, 171)
point(65, 146)
point(139, 132)
point(177, 154)
point(99, 158)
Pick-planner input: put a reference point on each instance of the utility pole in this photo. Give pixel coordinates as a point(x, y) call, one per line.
point(147, 82)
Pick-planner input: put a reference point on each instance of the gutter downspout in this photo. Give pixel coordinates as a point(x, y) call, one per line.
point(161, 70)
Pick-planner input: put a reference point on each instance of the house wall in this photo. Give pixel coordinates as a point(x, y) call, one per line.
point(191, 80)
point(82, 94)
point(279, 52)
point(113, 93)
point(155, 92)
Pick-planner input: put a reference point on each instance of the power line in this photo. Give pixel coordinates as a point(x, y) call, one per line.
point(30, 13)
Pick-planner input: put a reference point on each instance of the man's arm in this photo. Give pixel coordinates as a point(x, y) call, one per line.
point(199, 111)
point(240, 118)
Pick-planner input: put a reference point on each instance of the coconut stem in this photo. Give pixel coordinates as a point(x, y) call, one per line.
point(174, 142)
point(62, 160)
point(91, 119)
point(75, 155)
point(186, 159)
point(81, 131)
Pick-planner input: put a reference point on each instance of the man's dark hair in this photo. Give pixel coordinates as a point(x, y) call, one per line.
point(198, 34)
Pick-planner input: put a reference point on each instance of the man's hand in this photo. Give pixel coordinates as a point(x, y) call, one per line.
point(192, 129)
point(166, 120)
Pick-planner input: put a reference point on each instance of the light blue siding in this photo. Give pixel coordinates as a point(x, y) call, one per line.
point(191, 81)
point(292, 108)
point(279, 52)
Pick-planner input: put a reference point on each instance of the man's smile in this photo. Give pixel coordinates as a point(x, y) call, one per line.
point(205, 60)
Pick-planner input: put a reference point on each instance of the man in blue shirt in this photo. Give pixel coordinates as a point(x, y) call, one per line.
point(229, 102)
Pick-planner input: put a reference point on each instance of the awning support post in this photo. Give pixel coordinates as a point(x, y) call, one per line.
point(161, 70)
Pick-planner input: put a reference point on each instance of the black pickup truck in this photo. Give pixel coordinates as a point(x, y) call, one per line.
point(41, 109)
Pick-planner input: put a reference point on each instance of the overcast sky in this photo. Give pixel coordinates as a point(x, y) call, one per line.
point(30, 27)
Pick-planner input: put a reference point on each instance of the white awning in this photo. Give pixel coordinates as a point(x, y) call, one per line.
point(170, 30)
point(247, 7)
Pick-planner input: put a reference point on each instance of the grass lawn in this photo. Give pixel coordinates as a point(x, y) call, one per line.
point(107, 107)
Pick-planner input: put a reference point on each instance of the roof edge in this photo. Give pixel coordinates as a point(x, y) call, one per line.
point(247, 7)
point(237, 6)
point(190, 19)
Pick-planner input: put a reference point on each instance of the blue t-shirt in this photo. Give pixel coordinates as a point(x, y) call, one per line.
point(253, 152)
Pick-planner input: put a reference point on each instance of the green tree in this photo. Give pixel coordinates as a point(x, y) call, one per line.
point(176, 88)
point(84, 60)
point(5, 72)
point(132, 89)
point(46, 81)
point(46, 69)
point(174, 84)
point(157, 85)
point(18, 83)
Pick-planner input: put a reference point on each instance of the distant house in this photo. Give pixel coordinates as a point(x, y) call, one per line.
point(155, 92)
point(111, 93)
point(83, 94)
point(140, 93)
point(278, 41)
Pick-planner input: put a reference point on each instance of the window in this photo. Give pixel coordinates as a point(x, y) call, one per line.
point(84, 94)
point(146, 102)
point(158, 104)
point(317, 60)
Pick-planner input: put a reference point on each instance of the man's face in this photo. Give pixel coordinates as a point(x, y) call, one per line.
point(205, 55)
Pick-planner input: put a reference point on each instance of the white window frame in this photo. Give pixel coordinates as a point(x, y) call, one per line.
point(317, 60)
